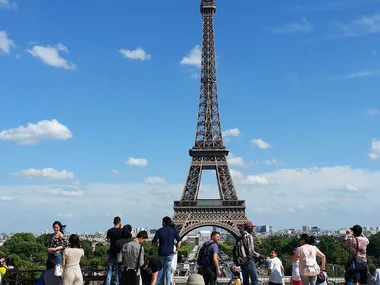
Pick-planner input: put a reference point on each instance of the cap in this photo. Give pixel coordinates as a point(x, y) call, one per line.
point(357, 230)
point(249, 224)
point(195, 279)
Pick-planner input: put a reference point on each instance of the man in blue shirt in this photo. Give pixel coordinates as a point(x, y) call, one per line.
point(211, 271)
point(165, 237)
point(113, 235)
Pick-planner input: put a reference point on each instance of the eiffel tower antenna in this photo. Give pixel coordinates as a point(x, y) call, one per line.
point(209, 152)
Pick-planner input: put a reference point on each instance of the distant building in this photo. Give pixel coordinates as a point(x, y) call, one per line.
point(315, 229)
point(306, 229)
point(263, 229)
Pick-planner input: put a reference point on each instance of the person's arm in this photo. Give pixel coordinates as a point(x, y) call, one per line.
point(141, 262)
point(270, 267)
point(155, 239)
point(322, 257)
point(64, 259)
point(214, 252)
point(346, 239)
point(295, 256)
point(154, 278)
point(251, 246)
point(179, 242)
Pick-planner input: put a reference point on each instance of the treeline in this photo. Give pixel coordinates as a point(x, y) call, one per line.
point(28, 252)
point(336, 254)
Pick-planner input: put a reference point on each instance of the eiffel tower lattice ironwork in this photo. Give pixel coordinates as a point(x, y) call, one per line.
point(209, 152)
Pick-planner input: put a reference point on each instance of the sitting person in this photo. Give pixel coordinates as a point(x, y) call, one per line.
point(237, 280)
point(47, 277)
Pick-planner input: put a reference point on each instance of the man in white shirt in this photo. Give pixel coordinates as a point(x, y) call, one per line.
point(275, 268)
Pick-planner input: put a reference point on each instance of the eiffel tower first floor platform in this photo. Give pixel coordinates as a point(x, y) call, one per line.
point(229, 215)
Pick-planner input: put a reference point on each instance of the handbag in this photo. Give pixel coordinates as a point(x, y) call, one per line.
point(128, 276)
point(351, 265)
point(58, 270)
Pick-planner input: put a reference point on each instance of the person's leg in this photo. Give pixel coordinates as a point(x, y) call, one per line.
point(111, 261)
point(161, 272)
point(313, 280)
point(305, 280)
point(168, 269)
point(58, 258)
point(245, 273)
point(253, 272)
point(117, 273)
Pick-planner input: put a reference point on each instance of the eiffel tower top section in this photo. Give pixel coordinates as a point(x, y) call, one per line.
point(208, 138)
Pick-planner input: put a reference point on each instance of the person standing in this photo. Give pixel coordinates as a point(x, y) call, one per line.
point(357, 242)
point(307, 254)
point(164, 238)
point(72, 274)
point(249, 268)
point(57, 243)
point(211, 270)
point(133, 259)
point(113, 234)
point(275, 268)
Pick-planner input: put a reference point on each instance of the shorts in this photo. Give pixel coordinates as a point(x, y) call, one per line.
point(296, 282)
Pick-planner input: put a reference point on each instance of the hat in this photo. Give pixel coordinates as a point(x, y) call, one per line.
point(357, 230)
point(195, 279)
point(249, 224)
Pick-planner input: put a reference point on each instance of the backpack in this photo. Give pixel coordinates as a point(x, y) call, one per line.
point(238, 252)
point(204, 257)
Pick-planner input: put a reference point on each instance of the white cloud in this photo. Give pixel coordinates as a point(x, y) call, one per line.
point(375, 149)
point(372, 112)
point(236, 160)
point(7, 5)
point(154, 180)
point(260, 143)
point(357, 75)
point(68, 215)
point(362, 26)
point(136, 161)
point(138, 53)
point(50, 55)
point(303, 26)
point(268, 197)
point(6, 198)
point(34, 133)
point(5, 43)
point(271, 161)
point(47, 173)
point(193, 57)
point(114, 171)
point(65, 191)
point(231, 133)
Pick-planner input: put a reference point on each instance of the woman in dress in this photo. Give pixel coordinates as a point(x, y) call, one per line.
point(57, 243)
point(72, 274)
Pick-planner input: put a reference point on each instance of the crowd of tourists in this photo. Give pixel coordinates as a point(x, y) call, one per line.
point(129, 264)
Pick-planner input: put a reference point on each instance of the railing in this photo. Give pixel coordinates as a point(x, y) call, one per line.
point(263, 280)
point(30, 277)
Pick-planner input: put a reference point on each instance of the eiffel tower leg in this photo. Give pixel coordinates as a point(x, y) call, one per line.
point(191, 189)
point(225, 184)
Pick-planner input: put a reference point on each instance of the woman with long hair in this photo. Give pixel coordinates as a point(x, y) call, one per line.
point(307, 254)
point(72, 274)
point(57, 242)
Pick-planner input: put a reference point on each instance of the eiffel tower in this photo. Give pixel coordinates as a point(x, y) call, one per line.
point(209, 153)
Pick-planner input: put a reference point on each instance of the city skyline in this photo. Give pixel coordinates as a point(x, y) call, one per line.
point(100, 125)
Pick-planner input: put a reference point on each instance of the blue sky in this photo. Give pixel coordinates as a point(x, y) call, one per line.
point(99, 105)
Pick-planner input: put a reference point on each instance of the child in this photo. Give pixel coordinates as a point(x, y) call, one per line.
point(296, 277)
point(4, 261)
point(275, 268)
point(236, 280)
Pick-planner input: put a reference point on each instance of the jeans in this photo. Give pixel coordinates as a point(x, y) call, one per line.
point(166, 271)
point(309, 280)
point(56, 256)
point(249, 271)
point(111, 263)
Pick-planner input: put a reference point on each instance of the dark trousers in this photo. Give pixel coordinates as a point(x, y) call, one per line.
point(209, 275)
